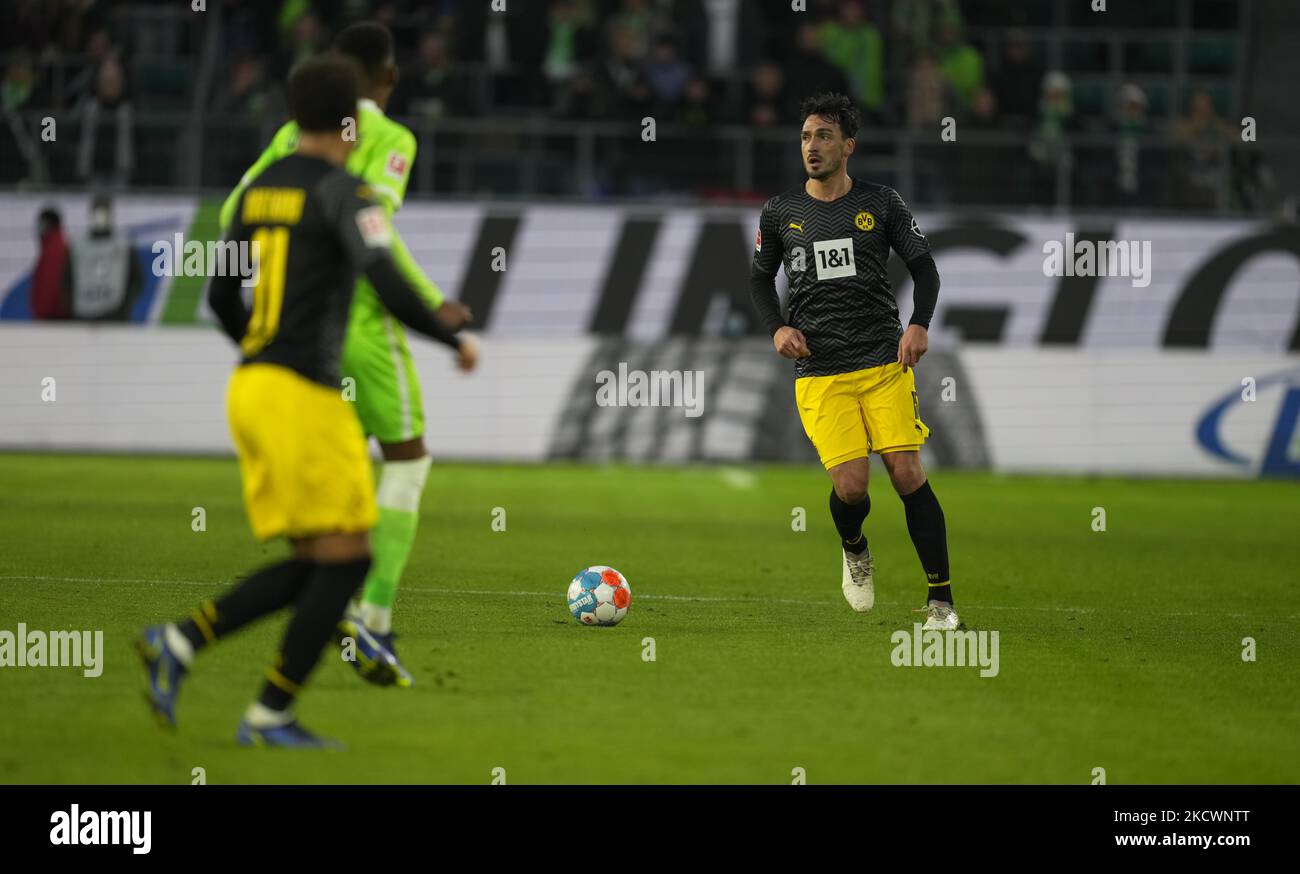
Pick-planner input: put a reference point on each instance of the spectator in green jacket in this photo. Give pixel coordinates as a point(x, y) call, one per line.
point(916, 22)
point(854, 45)
point(962, 63)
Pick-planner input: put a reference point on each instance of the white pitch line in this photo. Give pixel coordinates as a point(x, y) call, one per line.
point(684, 598)
point(738, 478)
point(637, 597)
point(109, 580)
point(487, 592)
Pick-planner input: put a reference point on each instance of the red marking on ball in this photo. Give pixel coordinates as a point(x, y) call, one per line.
point(611, 576)
point(622, 597)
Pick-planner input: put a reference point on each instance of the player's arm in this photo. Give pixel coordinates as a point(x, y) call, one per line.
point(912, 246)
point(282, 144)
point(367, 234)
point(404, 303)
point(453, 314)
point(388, 175)
point(225, 292)
point(227, 303)
point(788, 341)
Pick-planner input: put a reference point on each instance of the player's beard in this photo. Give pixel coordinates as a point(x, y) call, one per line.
point(826, 170)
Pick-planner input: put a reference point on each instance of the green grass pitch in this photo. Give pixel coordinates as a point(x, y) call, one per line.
point(1119, 649)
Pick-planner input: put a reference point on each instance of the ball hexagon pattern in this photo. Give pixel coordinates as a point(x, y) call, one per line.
point(599, 595)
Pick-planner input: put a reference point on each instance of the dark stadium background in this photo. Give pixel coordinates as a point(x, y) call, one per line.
point(534, 102)
point(1164, 408)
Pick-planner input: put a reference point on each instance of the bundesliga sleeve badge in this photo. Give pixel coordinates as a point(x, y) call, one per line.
point(372, 222)
point(396, 165)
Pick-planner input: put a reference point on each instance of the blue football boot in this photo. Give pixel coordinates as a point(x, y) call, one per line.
point(370, 659)
point(404, 678)
point(291, 734)
point(165, 673)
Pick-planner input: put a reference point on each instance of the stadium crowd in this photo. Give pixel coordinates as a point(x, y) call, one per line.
point(694, 63)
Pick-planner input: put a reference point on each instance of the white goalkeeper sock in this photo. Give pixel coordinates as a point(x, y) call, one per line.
point(178, 644)
point(258, 715)
point(377, 619)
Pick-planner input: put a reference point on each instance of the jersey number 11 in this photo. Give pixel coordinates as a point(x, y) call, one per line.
point(270, 255)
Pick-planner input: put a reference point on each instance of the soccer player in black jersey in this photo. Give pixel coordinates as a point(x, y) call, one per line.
point(854, 383)
point(302, 455)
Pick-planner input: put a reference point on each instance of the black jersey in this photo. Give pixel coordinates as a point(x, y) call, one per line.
point(316, 228)
point(836, 255)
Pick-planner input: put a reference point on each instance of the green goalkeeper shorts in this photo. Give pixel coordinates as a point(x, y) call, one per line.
point(385, 388)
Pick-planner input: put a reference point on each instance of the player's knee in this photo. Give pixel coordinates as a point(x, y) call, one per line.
point(906, 473)
point(402, 482)
point(907, 482)
point(334, 548)
point(851, 486)
point(852, 493)
point(406, 450)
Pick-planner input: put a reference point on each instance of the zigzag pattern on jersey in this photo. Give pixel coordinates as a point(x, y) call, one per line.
point(851, 322)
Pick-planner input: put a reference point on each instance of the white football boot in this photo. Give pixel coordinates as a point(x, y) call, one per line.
point(858, 584)
point(940, 617)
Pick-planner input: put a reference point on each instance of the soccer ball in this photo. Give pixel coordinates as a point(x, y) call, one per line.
point(599, 595)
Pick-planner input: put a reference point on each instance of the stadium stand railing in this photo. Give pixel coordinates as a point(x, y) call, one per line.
point(541, 159)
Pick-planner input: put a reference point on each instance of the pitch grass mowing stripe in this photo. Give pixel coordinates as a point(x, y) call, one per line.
point(182, 304)
point(1151, 684)
point(490, 593)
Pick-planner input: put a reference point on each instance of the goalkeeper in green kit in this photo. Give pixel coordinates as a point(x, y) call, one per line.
point(375, 354)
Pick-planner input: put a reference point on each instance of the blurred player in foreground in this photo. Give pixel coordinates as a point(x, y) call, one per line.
point(854, 384)
point(375, 354)
point(302, 454)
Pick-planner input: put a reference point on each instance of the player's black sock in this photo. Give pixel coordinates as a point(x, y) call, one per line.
point(320, 606)
point(264, 592)
point(930, 537)
point(848, 521)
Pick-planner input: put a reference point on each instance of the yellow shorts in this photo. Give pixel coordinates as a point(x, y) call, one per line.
point(850, 415)
point(302, 455)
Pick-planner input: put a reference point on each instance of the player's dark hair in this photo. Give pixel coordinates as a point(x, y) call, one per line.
point(322, 92)
point(836, 108)
point(50, 217)
point(369, 44)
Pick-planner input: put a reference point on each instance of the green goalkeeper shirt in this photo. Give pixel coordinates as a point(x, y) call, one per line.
point(383, 157)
